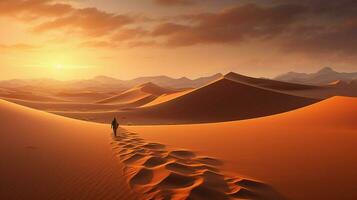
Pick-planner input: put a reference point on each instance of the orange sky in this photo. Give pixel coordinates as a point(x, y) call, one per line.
point(72, 39)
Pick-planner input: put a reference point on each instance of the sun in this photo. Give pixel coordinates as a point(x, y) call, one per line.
point(58, 66)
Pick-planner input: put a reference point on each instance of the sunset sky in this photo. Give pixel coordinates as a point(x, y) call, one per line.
point(73, 39)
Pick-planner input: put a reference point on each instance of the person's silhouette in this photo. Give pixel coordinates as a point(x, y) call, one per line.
point(115, 126)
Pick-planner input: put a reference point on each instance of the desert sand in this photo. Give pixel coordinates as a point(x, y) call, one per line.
point(222, 100)
point(52, 157)
point(27, 95)
point(84, 96)
point(147, 91)
point(67, 106)
point(336, 88)
point(89, 101)
point(167, 97)
point(268, 83)
point(233, 97)
point(44, 156)
point(309, 153)
point(158, 172)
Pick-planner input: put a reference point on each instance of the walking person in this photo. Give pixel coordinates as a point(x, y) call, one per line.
point(115, 126)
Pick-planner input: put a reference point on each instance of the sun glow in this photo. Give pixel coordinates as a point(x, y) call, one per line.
point(58, 66)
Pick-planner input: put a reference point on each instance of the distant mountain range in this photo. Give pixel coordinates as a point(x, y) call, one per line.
point(326, 80)
point(324, 76)
point(106, 83)
point(166, 81)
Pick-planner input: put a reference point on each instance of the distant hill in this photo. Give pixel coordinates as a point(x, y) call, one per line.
point(183, 82)
point(324, 76)
point(144, 93)
point(107, 84)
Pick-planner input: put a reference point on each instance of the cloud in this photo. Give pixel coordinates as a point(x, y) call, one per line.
point(340, 39)
point(33, 8)
point(174, 2)
point(18, 47)
point(51, 16)
point(146, 43)
point(329, 27)
point(235, 24)
point(304, 26)
point(97, 44)
point(129, 34)
point(329, 8)
point(88, 21)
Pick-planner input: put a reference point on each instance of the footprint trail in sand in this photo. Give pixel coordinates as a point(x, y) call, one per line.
point(181, 174)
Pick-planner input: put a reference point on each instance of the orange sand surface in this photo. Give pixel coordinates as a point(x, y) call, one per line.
point(44, 156)
point(137, 93)
point(167, 97)
point(309, 153)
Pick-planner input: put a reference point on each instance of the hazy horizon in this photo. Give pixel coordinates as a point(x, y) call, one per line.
point(174, 77)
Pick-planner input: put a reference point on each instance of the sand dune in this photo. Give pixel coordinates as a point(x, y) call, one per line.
point(86, 96)
point(167, 97)
point(348, 85)
point(160, 172)
point(137, 93)
point(44, 156)
point(336, 88)
point(31, 96)
point(338, 83)
point(68, 106)
point(51, 157)
point(222, 100)
point(309, 153)
point(268, 83)
point(82, 102)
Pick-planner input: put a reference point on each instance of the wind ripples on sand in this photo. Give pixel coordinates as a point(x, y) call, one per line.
point(159, 173)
